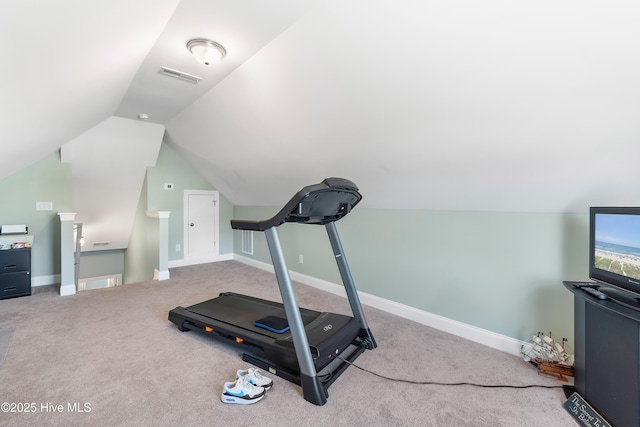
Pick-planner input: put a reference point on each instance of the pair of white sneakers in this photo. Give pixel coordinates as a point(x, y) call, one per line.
point(249, 387)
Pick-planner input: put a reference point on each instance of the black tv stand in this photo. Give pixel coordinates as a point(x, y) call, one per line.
point(621, 297)
point(607, 349)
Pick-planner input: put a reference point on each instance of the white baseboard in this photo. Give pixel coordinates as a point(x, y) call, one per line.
point(161, 275)
point(199, 260)
point(66, 290)
point(482, 336)
point(255, 263)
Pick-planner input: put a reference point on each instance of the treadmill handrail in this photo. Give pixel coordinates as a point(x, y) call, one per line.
point(321, 203)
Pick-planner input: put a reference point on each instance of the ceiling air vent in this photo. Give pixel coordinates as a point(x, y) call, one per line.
point(179, 75)
point(106, 243)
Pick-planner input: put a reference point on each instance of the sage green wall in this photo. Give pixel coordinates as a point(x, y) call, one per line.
point(101, 263)
point(501, 272)
point(141, 256)
point(49, 180)
point(172, 168)
point(45, 181)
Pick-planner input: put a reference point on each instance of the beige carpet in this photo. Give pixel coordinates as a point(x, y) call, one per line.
point(113, 355)
point(5, 339)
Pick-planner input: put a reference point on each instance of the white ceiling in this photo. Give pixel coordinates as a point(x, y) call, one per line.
point(65, 67)
point(494, 105)
point(242, 27)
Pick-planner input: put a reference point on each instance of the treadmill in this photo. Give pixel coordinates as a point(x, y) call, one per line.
point(306, 347)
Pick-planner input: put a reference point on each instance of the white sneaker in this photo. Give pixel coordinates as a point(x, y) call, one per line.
point(253, 376)
point(241, 392)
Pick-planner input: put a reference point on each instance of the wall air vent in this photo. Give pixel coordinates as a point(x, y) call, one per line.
point(179, 75)
point(107, 243)
point(247, 242)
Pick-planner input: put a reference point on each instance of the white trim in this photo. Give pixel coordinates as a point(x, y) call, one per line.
point(482, 336)
point(255, 263)
point(67, 216)
point(200, 260)
point(82, 283)
point(161, 275)
point(66, 290)
point(158, 214)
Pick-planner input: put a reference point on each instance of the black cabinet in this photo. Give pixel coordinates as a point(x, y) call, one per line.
point(15, 273)
point(607, 348)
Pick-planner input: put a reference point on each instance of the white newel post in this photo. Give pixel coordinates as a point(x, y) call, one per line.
point(162, 272)
point(67, 268)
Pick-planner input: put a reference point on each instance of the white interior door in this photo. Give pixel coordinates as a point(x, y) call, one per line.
point(201, 223)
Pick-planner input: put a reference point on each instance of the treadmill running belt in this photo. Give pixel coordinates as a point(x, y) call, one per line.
point(238, 310)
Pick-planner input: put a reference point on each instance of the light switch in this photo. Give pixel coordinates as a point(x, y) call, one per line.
point(44, 206)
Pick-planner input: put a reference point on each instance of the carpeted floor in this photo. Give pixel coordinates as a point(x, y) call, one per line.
point(111, 357)
point(5, 339)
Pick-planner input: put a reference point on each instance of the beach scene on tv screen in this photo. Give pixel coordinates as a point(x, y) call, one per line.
point(617, 244)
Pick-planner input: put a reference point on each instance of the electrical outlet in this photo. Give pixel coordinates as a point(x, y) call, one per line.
point(168, 186)
point(300, 259)
point(44, 206)
point(178, 249)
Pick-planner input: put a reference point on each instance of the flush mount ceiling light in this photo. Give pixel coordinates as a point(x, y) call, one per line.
point(206, 51)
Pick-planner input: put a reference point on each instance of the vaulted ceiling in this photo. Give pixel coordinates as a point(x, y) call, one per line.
point(474, 105)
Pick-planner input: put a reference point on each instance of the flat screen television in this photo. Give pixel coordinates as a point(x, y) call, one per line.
point(614, 252)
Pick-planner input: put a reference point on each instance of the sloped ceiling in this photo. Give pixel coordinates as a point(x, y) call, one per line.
point(242, 27)
point(101, 62)
point(494, 105)
point(65, 67)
